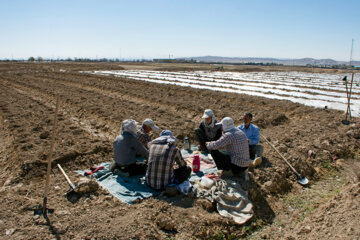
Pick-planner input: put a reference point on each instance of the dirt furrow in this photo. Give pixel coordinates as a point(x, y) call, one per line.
point(73, 139)
point(48, 100)
point(131, 99)
point(169, 116)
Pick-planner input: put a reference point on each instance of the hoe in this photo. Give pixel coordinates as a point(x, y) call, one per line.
point(301, 180)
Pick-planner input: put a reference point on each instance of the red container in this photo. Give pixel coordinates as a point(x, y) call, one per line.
point(196, 163)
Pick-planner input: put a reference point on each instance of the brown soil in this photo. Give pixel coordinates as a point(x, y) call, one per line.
point(91, 111)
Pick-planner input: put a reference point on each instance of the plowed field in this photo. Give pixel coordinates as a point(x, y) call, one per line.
point(92, 108)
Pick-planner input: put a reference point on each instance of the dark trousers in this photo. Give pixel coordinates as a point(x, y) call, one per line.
point(252, 151)
point(201, 138)
point(182, 174)
point(138, 168)
point(223, 162)
point(255, 151)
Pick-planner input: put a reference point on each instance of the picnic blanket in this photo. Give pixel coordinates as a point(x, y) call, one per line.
point(207, 164)
point(127, 189)
point(131, 189)
point(231, 200)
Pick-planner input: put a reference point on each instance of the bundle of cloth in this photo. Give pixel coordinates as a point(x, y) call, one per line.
point(231, 200)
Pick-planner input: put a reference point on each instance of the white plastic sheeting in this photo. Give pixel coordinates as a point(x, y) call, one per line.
point(311, 89)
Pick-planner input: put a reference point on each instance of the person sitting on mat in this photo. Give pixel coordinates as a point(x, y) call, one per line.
point(162, 156)
point(144, 130)
point(125, 148)
point(207, 130)
point(236, 159)
point(252, 133)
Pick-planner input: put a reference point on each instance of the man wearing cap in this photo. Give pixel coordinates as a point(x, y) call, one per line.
point(125, 148)
point(234, 142)
point(208, 130)
point(162, 156)
point(252, 133)
point(143, 133)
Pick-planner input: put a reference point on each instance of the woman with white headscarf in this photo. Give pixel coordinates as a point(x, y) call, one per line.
point(208, 130)
point(125, 148)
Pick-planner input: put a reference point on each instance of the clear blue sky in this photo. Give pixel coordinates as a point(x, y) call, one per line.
point(182, 28)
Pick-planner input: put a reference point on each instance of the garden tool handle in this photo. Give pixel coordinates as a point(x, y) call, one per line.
point(297, 174)
point(66, 177)
point(51, 149)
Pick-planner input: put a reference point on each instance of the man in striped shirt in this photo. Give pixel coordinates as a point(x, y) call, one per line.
point(235, 143)
point(163, 154)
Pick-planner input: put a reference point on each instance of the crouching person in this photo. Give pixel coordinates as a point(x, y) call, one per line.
point(143, 133)
point(208, 130)
point(125, 148)
point(252, 132)
point(162, 156)
point(236, 159)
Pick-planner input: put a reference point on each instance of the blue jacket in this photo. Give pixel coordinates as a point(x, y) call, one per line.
point(252, 133)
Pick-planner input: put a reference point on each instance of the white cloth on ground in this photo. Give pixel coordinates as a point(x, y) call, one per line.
point(231, 200)
point(184, 187)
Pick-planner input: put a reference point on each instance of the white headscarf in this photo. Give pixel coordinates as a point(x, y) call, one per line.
point(212, 124)
point(227, 124)
point(130, 126)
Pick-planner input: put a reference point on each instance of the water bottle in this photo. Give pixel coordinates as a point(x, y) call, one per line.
point(187, 145)
point(196, 163)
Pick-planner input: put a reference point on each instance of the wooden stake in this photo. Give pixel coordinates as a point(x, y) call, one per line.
point(349, 97)
point(50, 155)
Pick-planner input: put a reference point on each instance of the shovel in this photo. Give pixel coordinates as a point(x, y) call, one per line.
point(72, 186)
point(301, 180)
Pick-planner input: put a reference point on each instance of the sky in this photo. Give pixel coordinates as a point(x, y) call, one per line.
point(147, 29)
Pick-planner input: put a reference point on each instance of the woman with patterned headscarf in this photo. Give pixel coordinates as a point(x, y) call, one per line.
point(126, 146)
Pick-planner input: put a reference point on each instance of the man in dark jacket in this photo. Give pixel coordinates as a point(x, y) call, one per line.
point(208, 131)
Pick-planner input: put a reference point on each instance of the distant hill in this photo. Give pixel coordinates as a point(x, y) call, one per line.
point(300, 61)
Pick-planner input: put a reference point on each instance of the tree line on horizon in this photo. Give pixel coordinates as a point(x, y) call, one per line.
point(41, 59)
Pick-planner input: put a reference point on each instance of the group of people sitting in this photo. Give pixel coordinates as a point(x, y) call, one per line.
point(233, 149)
point(230, 147)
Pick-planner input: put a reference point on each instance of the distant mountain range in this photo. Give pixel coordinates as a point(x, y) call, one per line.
point(300, 61)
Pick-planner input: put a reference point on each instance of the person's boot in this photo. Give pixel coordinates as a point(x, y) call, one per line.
point(256, 162)
point(244, 175)
point(121, 173)
point(225, 173)
point(170, 190)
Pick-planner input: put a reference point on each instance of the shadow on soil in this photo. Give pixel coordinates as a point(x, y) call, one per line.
point(261, 207)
